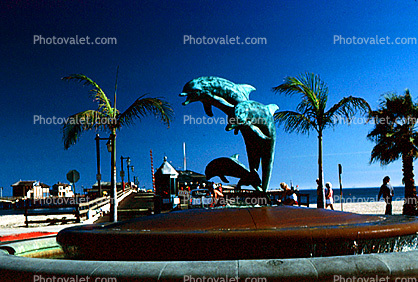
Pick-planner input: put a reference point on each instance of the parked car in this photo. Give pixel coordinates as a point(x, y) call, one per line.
point(200, 198)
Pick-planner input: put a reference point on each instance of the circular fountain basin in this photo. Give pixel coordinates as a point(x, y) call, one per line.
point(232, 234)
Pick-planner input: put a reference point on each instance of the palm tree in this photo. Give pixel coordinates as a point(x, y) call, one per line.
point(109, 119)
point(310, 113)
point(396, 136)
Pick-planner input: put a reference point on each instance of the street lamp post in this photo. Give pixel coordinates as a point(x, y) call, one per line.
point(128, 163)
point(122, 173)
point(132, 169)
point(114, 191)
point(109, 149)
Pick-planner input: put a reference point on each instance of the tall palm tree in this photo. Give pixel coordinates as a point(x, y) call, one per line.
point(311, 115)
point(396, 136)
point(109, 119)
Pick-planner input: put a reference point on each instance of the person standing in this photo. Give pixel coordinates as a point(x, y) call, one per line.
point(386, 190)
point(329, 196)
point(289, 196)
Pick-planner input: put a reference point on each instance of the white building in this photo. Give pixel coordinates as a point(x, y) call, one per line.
point(30, 189)
point(62, 190)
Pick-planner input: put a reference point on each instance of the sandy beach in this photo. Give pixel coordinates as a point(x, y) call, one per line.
point(368, 207)
point(18, 220)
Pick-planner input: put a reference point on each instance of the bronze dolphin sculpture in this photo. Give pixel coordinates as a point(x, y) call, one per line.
point(233, 100)
point(256, 123)
point(215, 91)
point(233, 167)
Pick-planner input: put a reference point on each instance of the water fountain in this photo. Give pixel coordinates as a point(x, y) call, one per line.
point(276, 243)
point(245, 233)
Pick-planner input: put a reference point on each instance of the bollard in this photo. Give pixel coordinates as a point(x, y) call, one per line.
point(157, 204)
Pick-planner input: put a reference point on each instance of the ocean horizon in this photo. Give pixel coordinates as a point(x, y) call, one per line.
point(356, 195)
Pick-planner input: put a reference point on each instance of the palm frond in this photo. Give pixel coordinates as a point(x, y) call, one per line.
point(97, 93)
point(83, 121)
point(313, 90)
point(145, 106)
point(294, 121)
point(347, 108)
point(395, 132)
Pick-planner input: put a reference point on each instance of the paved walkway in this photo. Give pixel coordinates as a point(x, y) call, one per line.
point(20, 233)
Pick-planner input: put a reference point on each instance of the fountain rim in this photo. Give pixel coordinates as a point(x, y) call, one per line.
point(392, 265)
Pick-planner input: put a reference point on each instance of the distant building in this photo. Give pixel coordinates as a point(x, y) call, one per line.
point(165, 179)
point(165, 184)
point(30, 189)
point(190, 179)
point(62, 190)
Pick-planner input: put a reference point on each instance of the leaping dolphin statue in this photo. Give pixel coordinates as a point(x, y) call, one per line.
point(256, 123)
point(216, 91)
point(233, 100)
point(233, 167)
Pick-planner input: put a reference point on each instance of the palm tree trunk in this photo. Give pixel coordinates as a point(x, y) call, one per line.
point(410, 205)
point(320, 190)
point(114, 192)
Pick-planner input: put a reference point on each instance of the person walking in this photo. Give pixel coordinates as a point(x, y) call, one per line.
point(386, 190)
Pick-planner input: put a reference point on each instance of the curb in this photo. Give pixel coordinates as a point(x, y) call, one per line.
point(388, 266)
point(24, 236)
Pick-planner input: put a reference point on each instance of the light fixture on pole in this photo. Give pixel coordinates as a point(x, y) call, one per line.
point(132, 169)
point(128, 163)
point(109, 145)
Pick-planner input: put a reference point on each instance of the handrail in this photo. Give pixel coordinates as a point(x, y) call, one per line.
point(80, 209)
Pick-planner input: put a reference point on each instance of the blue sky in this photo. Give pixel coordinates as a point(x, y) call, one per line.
point(153, 59)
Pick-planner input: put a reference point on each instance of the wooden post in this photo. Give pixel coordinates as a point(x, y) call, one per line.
point(26, 213)
point(340, 171)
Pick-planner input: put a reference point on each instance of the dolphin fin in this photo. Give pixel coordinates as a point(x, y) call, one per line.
point(259, 132)
point(260, 189)
point(247, 89)
point(223, 178)
point(235, 156)
point(235, 159)
point(208, 109)
point(272, 108)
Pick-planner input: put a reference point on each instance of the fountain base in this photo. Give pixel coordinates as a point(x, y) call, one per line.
point(246, 233)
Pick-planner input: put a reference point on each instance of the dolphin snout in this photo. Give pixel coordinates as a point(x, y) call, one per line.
point(182, 94)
